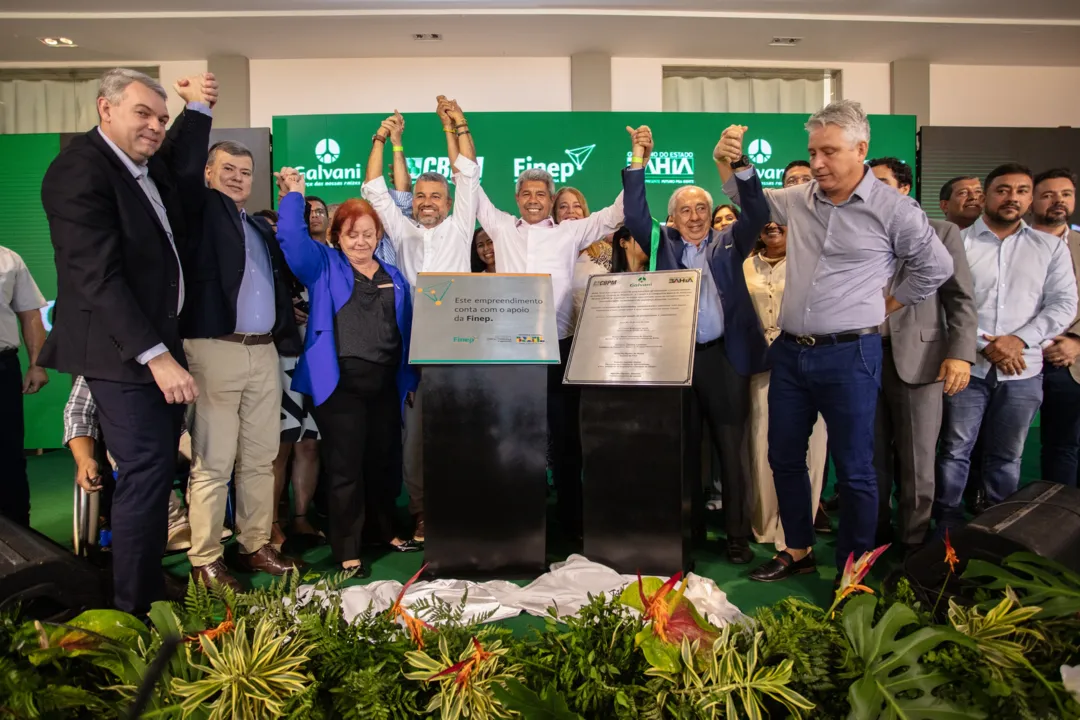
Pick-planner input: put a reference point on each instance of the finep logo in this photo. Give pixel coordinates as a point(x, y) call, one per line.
point(327, 151)
point(560, 171)
point(759, 151)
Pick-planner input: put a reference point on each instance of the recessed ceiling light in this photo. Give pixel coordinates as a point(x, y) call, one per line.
point(57, 42)
point(427, 37)
point(785, 41)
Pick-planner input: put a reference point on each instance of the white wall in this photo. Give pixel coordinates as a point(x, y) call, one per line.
point(363, 85)
point(980, 95)
point(636, 83)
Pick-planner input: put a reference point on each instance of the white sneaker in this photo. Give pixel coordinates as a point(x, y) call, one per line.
point(714, 504)
point(179, 538)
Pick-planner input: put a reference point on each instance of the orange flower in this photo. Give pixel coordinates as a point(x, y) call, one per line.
point(950, 554)
point(226, 626)
point(854, 572)
point(657, 609)
point(414, 626)
point(463, 670)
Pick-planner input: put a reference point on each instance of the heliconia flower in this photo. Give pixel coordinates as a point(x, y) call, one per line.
point(414, 626)
point(463, 670)
point(674, 619)
point(950, 554)
point(854, 572)
point(226, 626)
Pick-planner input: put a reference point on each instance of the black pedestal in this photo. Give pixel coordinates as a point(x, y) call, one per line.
point(637, 489)
point(485, 469)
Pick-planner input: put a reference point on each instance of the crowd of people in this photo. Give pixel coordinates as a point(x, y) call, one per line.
point(913, 353)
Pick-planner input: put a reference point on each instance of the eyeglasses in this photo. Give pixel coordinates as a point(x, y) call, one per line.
point(318, 213)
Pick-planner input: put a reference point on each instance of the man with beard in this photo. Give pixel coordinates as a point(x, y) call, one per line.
point(1025, 294)
point(432, 241)
point(962, 200)
point(1053, 205)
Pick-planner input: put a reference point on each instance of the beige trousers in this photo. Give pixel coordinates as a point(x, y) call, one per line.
point(766, 517)
point(236, 424)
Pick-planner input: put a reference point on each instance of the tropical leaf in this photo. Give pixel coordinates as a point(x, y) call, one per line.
point(1038, 581)
point(548, 705)
point(894, 685)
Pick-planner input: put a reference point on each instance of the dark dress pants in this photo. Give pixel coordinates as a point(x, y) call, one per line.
point(722, 397)
point(14, 487)
point(143, 433)
point(361, 445)
point(564, 431)
point(1059, 426)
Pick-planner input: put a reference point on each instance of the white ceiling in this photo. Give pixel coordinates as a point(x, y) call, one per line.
point(985, 32)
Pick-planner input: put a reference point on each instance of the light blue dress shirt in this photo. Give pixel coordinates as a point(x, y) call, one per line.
point(1024, 286)
point(255, 306)
point(710, 323)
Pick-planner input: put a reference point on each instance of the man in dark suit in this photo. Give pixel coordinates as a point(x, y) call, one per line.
point(730, 343)
point(238, 314)
point(112, 200)
point(929, 349)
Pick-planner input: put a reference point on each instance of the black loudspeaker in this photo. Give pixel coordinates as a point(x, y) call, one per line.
point(1041, 518)
point(47, 581)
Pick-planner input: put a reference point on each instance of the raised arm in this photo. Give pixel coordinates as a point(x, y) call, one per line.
point(390, 126)
point(306, 257)
point(638, 218)
point(491, 218)
point(402, 180)
point(730, 142)
point(187, 142)
point(443, 109)
point(755, 208)
point(375, 190)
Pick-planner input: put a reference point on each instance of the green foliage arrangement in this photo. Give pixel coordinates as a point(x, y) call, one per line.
point(286, 652)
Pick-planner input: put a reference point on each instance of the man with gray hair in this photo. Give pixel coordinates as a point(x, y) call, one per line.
point(114, 210)
point(238, 317)
point(432, 240)
point(730, 344)
point(847, 232)
point(533, 243)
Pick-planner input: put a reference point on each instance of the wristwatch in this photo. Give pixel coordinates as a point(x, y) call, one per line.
point(741, 163)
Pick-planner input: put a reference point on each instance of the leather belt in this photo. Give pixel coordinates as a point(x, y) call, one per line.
point(831, 339)
point(248, 338)
point(704, 345)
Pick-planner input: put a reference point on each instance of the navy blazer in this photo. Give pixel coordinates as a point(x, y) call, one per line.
point(744, 340)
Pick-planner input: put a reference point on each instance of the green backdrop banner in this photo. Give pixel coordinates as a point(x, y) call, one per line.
point(26, 231)
point(584, 149)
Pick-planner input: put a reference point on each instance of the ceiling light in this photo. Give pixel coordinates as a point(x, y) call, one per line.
point(427, 37)
point(785, 41)
point(57, 42)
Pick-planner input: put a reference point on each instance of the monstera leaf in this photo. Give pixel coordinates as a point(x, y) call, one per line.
point(548, 705)
point(1037, 581)
point(891, 665)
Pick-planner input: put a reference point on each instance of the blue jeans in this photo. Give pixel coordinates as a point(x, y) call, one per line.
point(1060, 426)
point(1006, 408)
point(841, 382)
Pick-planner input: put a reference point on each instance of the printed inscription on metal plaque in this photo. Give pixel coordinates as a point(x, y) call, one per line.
point(483, 318)
point(636, 329)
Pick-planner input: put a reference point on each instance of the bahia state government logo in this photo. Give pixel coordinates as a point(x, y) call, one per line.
point(759, 151)
point(327, 150)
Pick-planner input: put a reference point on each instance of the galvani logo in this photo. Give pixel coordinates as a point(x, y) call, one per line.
point(560, 171)
point(759, 151)
point(327, 151)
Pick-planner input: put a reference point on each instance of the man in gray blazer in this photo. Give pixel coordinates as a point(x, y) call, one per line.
point(929, 349)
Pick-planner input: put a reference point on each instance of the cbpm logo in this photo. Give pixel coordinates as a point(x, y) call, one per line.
point(759, 151)
point(327, 151)
point(600, 283)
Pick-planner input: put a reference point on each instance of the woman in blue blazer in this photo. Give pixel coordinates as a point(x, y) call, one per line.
point(355, 363)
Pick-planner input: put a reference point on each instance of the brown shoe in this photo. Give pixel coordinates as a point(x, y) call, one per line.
point(215, 572)
point(418, 532)
point(266, 559)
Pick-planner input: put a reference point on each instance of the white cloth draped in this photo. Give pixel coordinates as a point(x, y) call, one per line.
point(566, 587)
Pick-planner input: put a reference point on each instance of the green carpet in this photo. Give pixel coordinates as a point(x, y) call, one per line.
point(51, 482)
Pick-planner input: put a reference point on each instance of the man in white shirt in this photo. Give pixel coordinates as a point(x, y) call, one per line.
point(1053, 205)
point(433, 240)
point(20, 307)
point(1025, 295)
point(533, 243)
